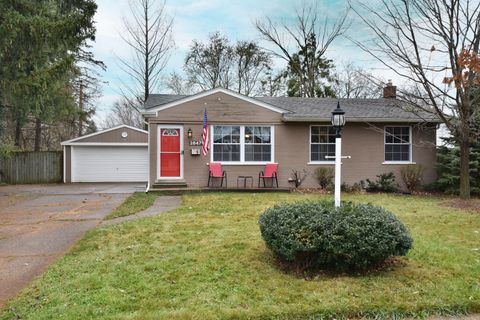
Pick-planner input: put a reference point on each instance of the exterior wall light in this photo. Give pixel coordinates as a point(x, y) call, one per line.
point(189, 133)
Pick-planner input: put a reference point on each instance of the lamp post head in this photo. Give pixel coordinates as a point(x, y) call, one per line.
point(338, 117)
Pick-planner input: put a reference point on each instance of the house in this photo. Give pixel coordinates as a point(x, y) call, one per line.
point(380, 135)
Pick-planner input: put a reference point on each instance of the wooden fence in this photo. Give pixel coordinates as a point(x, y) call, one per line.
point(32, 167)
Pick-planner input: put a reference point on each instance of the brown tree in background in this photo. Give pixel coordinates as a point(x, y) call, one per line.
point(252, 65)
point(122, 113)
point(149, 35)
point(219, 63)
point(303, 45)
point(433, 45)
point(210, 65)
point(354, 82)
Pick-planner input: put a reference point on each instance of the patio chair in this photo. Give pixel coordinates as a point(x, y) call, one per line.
point(215, 171)
point(270, 173)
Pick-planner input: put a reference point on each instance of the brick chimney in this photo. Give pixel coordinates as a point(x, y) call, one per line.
point(390, 91)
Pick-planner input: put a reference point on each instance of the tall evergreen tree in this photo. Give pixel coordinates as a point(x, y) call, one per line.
point(43, 44)
point(309, 73)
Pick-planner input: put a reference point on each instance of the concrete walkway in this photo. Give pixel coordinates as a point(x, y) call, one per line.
point(161, 204)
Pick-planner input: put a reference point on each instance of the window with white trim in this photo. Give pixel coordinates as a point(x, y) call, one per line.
point(322, 143)
point(226, 143)
point(258, 145)
point(398, 144)
point(235, 143)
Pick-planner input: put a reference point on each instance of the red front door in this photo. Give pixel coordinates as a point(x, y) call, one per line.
point(170, 153)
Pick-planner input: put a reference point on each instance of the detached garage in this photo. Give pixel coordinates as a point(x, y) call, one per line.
point(118, 154)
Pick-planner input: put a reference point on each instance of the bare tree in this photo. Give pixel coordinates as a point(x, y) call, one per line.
point(218, 63)
point(210, 65)
point(310, 35)
point(273, 85)
point(434, 45)
point(355, 82)
point(252, 64)
point(123, 113)
point(149, 35)
point(176, 84)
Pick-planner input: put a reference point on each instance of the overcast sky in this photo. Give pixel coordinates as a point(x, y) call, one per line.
point(195, 19)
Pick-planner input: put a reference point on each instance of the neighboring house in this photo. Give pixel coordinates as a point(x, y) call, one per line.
point(246, 133)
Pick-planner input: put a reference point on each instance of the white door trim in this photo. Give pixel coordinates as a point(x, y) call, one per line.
point(159, 149)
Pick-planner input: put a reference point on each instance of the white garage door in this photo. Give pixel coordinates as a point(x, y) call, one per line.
point(109, 164)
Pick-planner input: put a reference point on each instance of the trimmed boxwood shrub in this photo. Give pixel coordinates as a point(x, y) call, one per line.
point(314, 234)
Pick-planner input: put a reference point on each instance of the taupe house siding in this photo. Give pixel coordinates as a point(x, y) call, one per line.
point(221, 108)
point(364, 142)
point(115, 136)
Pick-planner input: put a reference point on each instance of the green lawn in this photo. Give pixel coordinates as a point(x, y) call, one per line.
point(137, 202)
point(207, 260)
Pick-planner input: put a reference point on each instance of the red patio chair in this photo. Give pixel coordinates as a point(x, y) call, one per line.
point(270, 173)
point(215, 171)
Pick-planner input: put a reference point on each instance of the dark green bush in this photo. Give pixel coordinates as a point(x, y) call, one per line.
point(314, 234)
point(385, 183)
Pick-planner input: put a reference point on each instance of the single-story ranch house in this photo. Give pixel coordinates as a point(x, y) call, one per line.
point(247, 133)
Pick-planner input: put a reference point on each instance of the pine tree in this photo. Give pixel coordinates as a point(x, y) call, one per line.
point(448, 167)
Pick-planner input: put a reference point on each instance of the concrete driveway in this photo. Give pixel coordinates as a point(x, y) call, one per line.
point(39, 223)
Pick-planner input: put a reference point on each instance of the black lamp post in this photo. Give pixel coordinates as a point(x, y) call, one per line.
point(338, 122)
point(338, 119)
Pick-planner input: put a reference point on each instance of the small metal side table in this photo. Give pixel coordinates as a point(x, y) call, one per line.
point(245, 178)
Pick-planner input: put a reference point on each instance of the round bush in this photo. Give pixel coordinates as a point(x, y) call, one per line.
point(316, 234)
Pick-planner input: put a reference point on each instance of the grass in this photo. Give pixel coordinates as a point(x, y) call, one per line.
point(206, 260)
point(137, 202)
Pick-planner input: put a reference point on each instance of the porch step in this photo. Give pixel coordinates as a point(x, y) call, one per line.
point(165, 184)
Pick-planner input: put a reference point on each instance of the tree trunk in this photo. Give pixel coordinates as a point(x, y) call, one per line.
point(80, 105)
point(18, 131)
point(38, 134)
point(465, 168)
point(146, 80)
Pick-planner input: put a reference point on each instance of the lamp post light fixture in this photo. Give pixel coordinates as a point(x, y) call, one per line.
point(338, 122)
point(189, 133)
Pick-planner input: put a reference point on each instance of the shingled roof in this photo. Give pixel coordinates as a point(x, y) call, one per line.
point(320, 109)
point(157, 100)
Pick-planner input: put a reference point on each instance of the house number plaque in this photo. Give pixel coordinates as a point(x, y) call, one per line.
point(195, 142)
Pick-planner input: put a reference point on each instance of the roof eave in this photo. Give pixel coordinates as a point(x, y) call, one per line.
point(68, 142)
point(203, 94)
point(319, 119)
point(103, 144)
point(147, 114)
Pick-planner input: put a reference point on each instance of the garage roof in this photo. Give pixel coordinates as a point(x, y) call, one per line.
point(123, 135)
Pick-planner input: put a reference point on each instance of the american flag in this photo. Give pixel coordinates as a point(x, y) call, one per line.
point(205, 139)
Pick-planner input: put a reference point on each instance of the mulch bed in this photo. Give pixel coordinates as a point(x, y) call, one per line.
point(471, 205)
